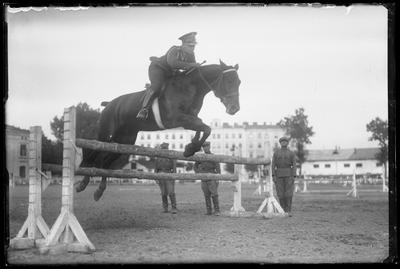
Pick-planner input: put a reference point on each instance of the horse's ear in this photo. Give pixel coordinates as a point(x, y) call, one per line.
point(222, 63)
point(236, 67)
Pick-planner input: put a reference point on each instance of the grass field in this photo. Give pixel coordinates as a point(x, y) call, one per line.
point(127, 226)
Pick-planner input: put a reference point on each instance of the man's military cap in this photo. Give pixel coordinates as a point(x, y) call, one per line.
point(164, 145)
point(206, 144)
point(189, 38)
point(284, 138)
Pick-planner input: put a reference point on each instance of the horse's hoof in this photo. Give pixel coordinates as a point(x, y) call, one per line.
point(97, 194)
point(189, 150)
point(80, 187)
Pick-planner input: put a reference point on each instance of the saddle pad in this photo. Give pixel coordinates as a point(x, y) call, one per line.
point(156, 112)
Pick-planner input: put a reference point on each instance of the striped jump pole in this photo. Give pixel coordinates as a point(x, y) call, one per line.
point(353, 192)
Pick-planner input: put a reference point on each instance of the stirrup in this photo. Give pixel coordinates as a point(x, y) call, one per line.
point(143, 114)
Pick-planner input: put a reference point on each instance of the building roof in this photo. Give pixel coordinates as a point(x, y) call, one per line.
point(342, 154)
point(10, 128)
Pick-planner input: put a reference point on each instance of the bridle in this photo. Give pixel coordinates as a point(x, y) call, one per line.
point(219, 81)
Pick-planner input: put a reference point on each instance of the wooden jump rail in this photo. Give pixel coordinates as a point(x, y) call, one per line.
point(170, 154)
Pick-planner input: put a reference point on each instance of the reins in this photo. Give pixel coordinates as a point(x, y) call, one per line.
point(219, 80)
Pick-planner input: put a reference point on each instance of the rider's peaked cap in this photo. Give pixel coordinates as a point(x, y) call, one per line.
point(164, 145)
point(206, 144)
point(189, 38)
point(284, 138)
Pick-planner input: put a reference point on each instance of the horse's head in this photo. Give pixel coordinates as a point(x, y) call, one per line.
point(228, 88)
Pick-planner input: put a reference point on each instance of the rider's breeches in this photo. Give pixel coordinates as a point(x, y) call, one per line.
point(284, 187)
point(209, 187)
point(167, 187)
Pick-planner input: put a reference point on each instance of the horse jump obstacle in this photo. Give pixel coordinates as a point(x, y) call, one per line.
point(353, 192)
point(66, 234)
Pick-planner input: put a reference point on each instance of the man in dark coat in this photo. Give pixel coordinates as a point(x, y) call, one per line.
point(177, 58)
point(209, 187)
point(283, 174)
point(167, 187)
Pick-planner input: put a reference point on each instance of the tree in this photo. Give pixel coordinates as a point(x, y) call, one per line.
point(52, 151)
point(86, 123)
point(298, 129)
point(379, 130)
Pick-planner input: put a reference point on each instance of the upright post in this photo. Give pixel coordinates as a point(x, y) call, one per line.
point(237, 193)
point(353, 191)
point(35, 226)
point(67, 227)
point(273, 206)
point(384, 186)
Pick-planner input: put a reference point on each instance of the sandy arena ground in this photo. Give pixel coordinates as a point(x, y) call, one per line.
point(127, 226)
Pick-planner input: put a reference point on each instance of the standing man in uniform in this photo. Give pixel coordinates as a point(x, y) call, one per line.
point(283, 174)
point(177, 58)
point(167, 187)
point(209, 187)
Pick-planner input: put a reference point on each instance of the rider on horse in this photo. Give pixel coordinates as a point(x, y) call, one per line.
point(177, 58)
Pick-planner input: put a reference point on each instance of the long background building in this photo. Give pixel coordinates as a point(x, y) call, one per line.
point(245, 140)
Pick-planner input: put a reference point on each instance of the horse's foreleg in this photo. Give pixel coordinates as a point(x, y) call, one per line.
point(193, 123)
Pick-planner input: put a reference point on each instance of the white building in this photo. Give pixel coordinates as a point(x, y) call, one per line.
point(246, 140)
point(17, 141)
point(342, 162)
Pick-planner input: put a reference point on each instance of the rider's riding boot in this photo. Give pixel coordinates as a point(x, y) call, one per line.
point(282, 202)
point(289, 205)
point(165, 203)
point(172, 197)
point(216, 205)
point(208, 205)
point(144, 112)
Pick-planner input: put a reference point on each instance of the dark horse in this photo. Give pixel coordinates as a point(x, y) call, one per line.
point(179, 104)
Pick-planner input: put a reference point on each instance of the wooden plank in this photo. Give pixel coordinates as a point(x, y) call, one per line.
point(170, 154)
point(83, 171)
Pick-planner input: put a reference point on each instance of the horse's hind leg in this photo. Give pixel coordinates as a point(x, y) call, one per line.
point(82, 184)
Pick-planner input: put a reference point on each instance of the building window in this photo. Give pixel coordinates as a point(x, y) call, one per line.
point(173, 146)
point(316, 165)
point(181, 136)
point(181, 146)
point(22, 150)
point(226, 136)
point(226, 146)
point(358, 164)
point(218, 136)
point(259, 145)
point(158, 136)
point(133, 165)
point(148, 136)
point(378, 164)
point(327, 165)
point(166, 136)
point(22, 171)
point(240, 145)
point(240, 135)
point(173, 136)
point(251, 154)
point(250, 145)
point(142, 137)
point(213, 136)
point(346, 165)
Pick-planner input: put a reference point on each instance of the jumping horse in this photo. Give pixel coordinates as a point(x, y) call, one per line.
point(179, 104)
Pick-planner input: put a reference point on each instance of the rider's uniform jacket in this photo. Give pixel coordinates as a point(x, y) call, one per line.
point(165, 165)
point(175, 58)
point(207, 167)
point(284, 163)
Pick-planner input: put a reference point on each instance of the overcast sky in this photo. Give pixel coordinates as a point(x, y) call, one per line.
point(331, 61)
